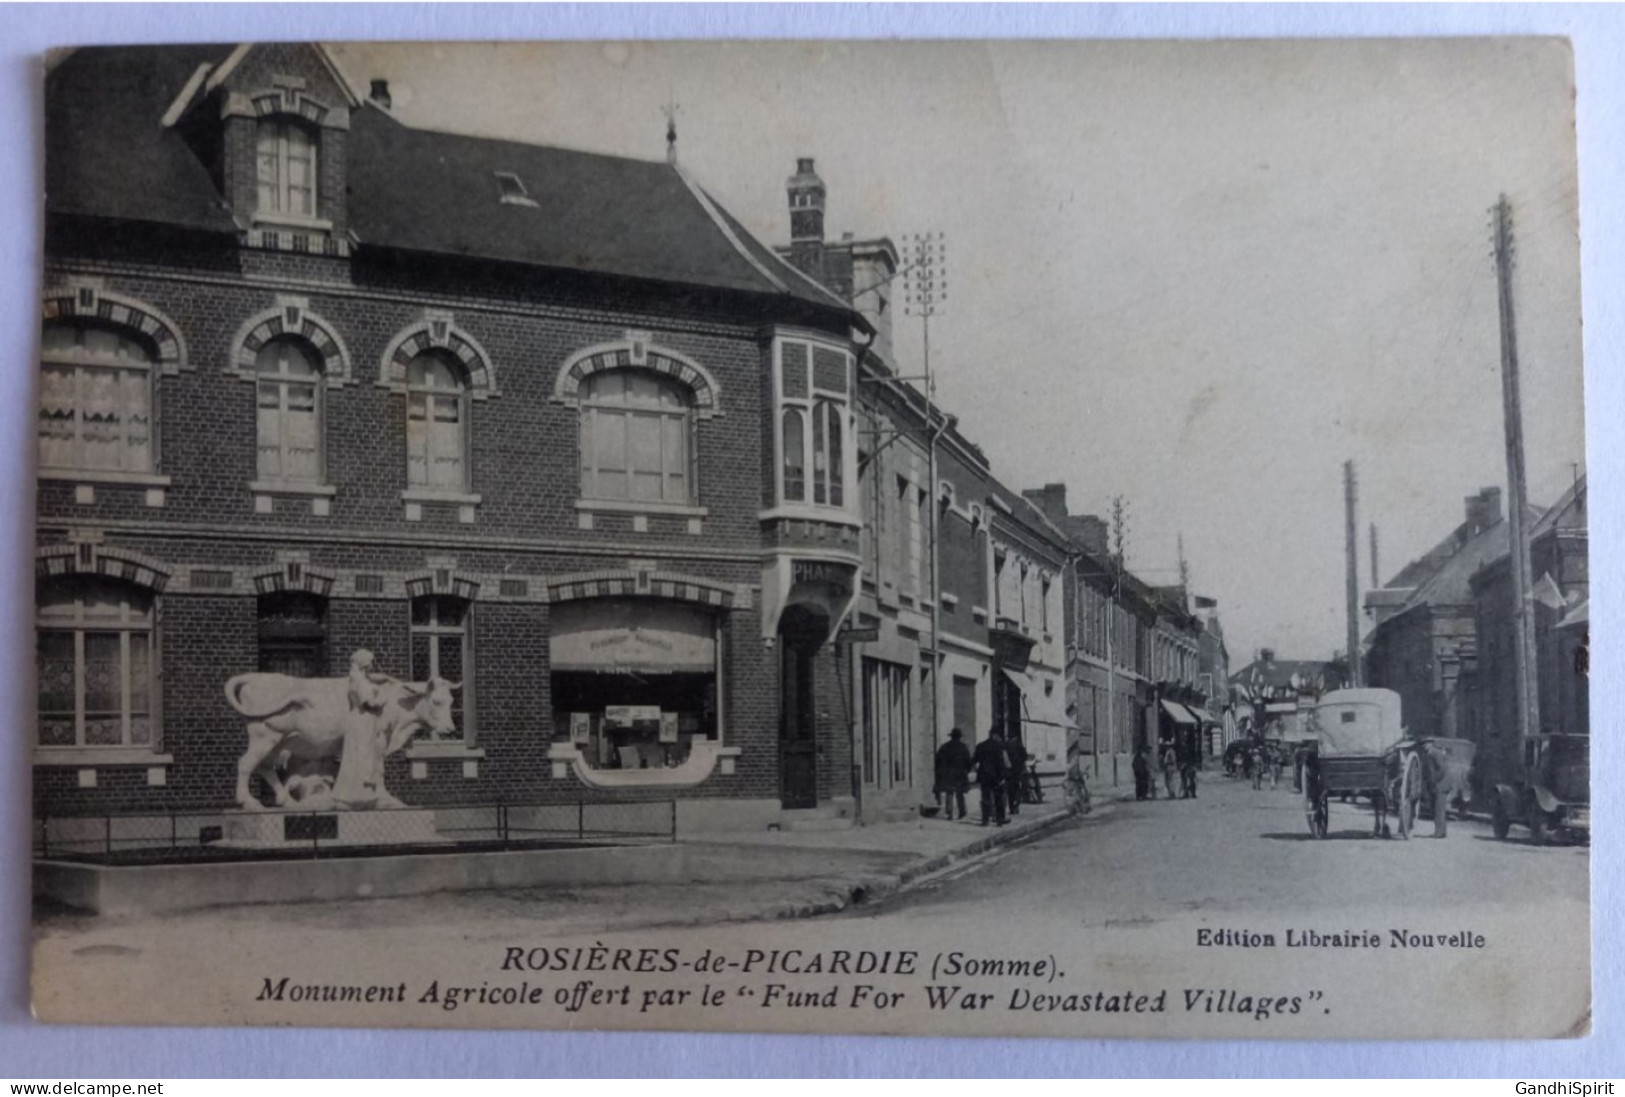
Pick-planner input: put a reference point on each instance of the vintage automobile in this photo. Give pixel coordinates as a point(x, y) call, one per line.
point(1553, 796)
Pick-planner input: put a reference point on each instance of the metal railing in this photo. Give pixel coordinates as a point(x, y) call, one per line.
point(167, 837)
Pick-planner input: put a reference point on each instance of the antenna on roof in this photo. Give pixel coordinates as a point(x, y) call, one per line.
point(670, 110)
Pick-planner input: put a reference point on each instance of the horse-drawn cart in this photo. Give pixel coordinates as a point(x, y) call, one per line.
point(1361, 751)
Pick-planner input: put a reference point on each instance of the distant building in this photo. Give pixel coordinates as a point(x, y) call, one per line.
point(1109, 615)
point(1213, 676)
point(1280, 692)
point(1028, 629)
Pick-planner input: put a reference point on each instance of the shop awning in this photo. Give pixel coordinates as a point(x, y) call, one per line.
point(1022, 680)
point(1202, 715)
point(1179, 713)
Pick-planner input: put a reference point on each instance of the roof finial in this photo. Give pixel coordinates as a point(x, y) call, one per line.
point(670, 111)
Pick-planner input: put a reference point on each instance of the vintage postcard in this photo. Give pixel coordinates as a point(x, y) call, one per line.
point(955, 538)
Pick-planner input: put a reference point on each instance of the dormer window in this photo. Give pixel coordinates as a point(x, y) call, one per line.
point(286, 157)
point(513, 190)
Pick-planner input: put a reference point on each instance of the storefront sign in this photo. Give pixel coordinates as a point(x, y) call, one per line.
point(635, 637)
point(837, 577)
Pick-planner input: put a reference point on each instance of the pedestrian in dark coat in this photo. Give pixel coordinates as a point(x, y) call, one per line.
point(1143, 788)
point(1016, 784)
point(953, 765)
point(992, 770)
point(1169, 765)
point(1434, 781)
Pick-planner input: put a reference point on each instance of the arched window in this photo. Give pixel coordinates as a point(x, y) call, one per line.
point(829, 466)
point(795, 456)
point(286, 171)
point(436, 425)
point(95, 399)
point(290, 413)
point(440, 649)
point(95, 663)
point(293, 634)
point(636, 438)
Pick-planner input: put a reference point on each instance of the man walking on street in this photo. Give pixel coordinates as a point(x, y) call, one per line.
point(1143, 788)
point(1169, 764)
point(953, 774)
point(991, 771)
point(1016, 785)
point(1433, 787)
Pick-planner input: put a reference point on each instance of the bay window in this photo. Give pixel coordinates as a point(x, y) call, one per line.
point(815, 400)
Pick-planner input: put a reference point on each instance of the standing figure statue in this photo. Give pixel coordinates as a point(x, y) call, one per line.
point(360, 781)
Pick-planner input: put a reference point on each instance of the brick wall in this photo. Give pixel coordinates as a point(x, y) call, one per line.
point(525, 468)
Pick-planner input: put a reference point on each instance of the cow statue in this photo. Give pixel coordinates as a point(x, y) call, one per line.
point(300, 721)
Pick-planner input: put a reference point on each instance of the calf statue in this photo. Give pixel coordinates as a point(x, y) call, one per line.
point(299, 723)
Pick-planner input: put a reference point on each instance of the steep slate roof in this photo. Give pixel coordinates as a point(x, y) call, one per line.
point(412, 189)
point(427, 191)
point(1450, 584)
point(106, 154)
point(1569, 512)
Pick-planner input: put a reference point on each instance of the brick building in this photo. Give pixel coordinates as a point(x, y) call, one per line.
point(1425, 629)
point(1559, 564)
point(546, 423)
point(900, 714)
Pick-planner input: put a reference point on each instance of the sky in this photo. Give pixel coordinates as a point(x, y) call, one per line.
point(1199, 276)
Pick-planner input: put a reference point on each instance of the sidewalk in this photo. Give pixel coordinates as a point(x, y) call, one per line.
point(825, 871)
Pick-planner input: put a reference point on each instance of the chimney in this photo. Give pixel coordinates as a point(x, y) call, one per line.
point(1484, 509)
point(380, 93)
point(806, 193)
point(1266, 655)
point(1051, 499)
point(1090, 531)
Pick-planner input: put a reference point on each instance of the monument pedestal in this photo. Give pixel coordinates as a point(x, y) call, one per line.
point(274, 829)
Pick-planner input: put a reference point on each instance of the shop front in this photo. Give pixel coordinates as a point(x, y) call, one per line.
point(636, 688)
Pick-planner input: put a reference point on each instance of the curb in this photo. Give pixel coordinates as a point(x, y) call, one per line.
point(874, 889)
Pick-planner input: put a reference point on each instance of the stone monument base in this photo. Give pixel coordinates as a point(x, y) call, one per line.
point(274, 829)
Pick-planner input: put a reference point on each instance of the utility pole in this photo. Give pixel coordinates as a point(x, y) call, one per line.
point(1528, 687)
point(1376, 577)
point(925, 290)
point(1118, 536)
point(1353, 573)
